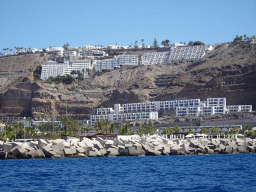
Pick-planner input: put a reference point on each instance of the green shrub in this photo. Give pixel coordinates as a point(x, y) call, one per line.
point(2, 138)
point(37, 73)
point(250, 133)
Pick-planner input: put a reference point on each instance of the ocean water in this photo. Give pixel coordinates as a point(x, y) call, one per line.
point(234, 172)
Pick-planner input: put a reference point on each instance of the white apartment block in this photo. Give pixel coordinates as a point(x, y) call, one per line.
point(104, 64)
point(216, 102)
point(240, 108)
point(187, 111)
point(125, 60)
point(103, 111)
point(189, 107)
point(176, 53)
point(116, 62)
point(53, 68)
point(124, 117)
point(58, 50)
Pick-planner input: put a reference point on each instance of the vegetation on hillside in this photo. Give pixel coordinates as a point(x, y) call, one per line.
point(67, 79)
point(37, 73)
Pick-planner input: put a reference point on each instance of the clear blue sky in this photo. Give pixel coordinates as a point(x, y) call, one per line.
point(40, 24)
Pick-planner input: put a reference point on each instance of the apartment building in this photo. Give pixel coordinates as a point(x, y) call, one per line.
point(240, 108)
point(116, 62)
point(189, 107)
point(124, 117)
point(53, 68)
point(176, 53)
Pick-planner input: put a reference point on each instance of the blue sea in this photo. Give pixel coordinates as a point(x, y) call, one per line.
point(234, 172)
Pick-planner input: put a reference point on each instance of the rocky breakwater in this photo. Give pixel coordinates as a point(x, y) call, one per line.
point(137, 146)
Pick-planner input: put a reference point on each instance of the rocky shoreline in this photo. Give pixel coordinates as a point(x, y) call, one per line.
point(137, 146)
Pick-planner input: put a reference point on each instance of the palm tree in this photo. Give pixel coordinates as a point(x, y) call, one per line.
point(167, 131)
point(106, 125)
point(234, 130)
point(99, 126)
point(203, 131)
point(167, 41)
point(227, 132)
point(190, 131)
point(215, 130)
point(111, 128)
point(29, 119)
point(86, 127)
point(142, 40)
point(176, 129)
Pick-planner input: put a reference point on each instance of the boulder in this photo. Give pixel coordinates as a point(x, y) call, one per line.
point(112, 152)
point(102, 142)
point(7, 147)
point(80, 150)
point(73, 149)
point(109, 144)
point(19, 152)
point(68, 151)
point(102, 152)
point(133, 152)
point(175, 150)
point(66, 144)
point(92, 154)
point(48, 151)
point(28, 148)
point(241, 149)
point(34, 144)
point(60, 153)
point(40, 153)
point(55, 148)
point(97, 145)
point(228, 149)
point(127, 146)
point(3, 155)
point(123, 152)
point(204, 142)
point(224, 142)
point(33, 153)
point(42, 143)
point(251, 149)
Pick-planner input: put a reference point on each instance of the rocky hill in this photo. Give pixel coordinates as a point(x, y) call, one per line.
point(228, 71)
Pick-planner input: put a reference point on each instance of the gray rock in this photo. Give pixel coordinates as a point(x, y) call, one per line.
point(102, 142)
point(123, 151)
point(112, 152)
point(48, 151)
point(251, 149)
point(73, 149)
point(133, 151)
point(19, 152)
point(3, 155)
point(92, 154)
point(224, 142)
point(7, 147)
point(80, 150)
point(68, 151)
point(241, 149)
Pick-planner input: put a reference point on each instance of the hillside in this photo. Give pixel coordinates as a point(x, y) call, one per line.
point(228, 71)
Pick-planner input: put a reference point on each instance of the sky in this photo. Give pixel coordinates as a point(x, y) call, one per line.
point(40, 24)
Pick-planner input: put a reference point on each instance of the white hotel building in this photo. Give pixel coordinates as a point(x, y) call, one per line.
point(149, 110)
point(53, 68)
point(176, 53)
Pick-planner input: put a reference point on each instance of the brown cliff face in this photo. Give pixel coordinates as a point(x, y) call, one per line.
point(228, 71)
